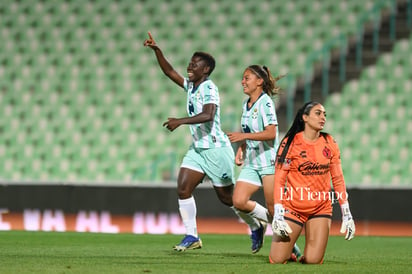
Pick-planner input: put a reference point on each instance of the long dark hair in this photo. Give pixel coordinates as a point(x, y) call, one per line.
point(297, 126)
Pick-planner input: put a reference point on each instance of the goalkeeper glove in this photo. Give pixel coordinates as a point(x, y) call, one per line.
point(279, 226)
point(348, 225)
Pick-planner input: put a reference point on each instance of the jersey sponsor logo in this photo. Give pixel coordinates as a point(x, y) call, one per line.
point(311, 168)
point(327, 153)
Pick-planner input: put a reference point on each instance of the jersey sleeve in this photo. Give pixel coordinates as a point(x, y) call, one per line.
point(281, 173)
point(210, 93)
point(336, 172)
point(186, 84)
point(268, 112)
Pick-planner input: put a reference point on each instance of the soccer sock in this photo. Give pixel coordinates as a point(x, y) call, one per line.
point(253, 223)
point(187, 209)
point(261, 213)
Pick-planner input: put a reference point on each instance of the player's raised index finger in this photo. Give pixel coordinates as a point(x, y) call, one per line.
point(150, 35)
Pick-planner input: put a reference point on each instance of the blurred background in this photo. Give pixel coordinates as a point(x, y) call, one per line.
point(83, 102)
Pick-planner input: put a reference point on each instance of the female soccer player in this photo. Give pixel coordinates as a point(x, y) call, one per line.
point(257, 145)
point(307, 160)
point(211, 153)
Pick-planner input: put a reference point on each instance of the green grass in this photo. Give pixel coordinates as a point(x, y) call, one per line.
point(43, 252)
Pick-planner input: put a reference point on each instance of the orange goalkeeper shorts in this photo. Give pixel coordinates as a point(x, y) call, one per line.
point(301, 216)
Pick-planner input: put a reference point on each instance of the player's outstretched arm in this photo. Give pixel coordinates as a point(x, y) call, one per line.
point(166, 67)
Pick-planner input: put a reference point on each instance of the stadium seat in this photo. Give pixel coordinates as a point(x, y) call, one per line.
point(378, 117)
point(88, 100)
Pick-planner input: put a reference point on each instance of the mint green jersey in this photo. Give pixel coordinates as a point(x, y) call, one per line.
point(209, 134)
point(260, 154)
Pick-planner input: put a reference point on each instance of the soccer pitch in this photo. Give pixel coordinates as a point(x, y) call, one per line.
point(54, 252)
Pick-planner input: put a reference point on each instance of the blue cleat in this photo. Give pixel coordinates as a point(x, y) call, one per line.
point(257, 237)
point(188, 242)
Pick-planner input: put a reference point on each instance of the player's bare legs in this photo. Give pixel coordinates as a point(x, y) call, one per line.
point(268, 187)
point(241, 196)
point(317, 235)
point(187, 181)
point(225, 194)
point(255, 215)
point(281, 248)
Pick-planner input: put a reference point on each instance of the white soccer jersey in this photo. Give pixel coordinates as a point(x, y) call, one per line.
point(260, 154)
point(205, 135)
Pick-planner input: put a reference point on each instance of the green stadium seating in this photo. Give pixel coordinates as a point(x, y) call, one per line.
point(83, 101)
point(374, 112)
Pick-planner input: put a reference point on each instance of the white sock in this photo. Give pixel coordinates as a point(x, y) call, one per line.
point(187, 209)
point(261, 213)
point(253, 223)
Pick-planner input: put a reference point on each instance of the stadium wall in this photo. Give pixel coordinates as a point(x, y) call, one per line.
point(149, 209)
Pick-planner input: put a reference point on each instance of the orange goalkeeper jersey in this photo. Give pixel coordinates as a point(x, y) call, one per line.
point(303, 181)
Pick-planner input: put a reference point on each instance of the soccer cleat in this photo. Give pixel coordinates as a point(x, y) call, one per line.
point(294, 257)
point(188, 242)
point(258, 237)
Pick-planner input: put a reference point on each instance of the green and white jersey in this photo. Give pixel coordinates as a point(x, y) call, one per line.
point(209, 134)
point(260, 154)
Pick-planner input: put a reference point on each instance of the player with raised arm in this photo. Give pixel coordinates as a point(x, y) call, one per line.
point(211, 153)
